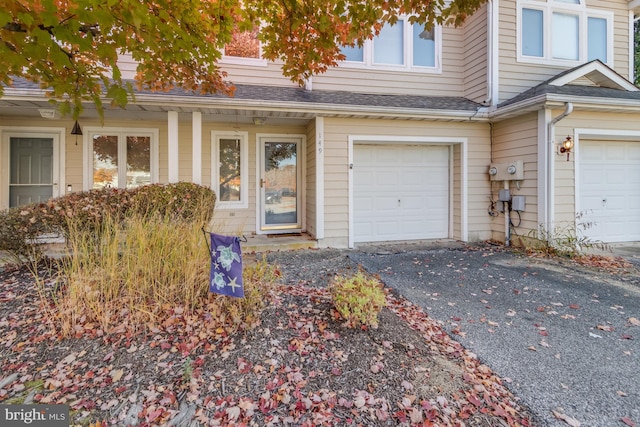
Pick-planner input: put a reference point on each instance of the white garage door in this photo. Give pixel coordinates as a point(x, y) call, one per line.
point(401, 192)
point(610, 190)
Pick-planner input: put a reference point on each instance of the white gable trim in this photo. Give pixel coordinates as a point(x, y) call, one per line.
point(599, 73)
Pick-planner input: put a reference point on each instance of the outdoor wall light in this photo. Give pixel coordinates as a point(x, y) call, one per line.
point(259, 121)
point(566, 146)
point(77, 130)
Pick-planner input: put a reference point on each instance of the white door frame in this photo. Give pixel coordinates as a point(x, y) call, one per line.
point(301, 140)
point(427, 140)
point(58, 136)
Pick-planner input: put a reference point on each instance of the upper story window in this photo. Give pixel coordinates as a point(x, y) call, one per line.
point(403, 46)
point(563, 32)
point(244, 48)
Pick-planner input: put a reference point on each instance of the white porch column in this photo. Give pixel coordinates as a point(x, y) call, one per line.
point(172, 130)
point(196, 141)
point(320, 178)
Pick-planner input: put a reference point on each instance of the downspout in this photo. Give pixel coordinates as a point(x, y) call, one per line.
point(489, 97)
point(568, 109)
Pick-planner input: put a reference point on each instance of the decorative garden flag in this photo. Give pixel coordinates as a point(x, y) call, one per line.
point(226, 266)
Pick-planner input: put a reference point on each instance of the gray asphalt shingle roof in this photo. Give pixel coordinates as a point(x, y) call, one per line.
point(296, 95)
point(572, 91)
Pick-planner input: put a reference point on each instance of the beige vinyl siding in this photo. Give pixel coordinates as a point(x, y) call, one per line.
point(372, 80)
point(517, 139)
point(337, 132)
point(310, 187)
point(269, 74)
point(241, 220)
point(516, 77)
point(475, 56)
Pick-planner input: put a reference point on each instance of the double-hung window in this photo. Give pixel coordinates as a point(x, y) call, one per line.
point(121, 158)
point(403, 46)
point(230, 171)
point(563, 32)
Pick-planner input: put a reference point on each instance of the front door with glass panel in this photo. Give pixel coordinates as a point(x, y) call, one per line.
point(280, 184)
point(31, 170)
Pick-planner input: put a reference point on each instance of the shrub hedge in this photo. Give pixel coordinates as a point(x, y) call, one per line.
point(21, 226)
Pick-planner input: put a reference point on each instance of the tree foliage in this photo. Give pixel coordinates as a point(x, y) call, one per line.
point(71, 47)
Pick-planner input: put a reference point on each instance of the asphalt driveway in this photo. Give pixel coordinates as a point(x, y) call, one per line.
point(565, 339)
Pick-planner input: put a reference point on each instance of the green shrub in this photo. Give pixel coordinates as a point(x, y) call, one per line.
point(358, 299)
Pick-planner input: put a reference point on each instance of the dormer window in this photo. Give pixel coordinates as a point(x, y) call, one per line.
point(562, 32)
point(403, 46)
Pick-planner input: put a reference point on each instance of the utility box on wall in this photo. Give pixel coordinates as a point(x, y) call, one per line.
point(517, 203)
point(512, 171)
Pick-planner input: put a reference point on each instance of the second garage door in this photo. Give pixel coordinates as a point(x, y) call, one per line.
point(401, 192)
point(610, 190)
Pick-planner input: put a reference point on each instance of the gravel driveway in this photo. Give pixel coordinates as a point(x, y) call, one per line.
point(565, 338)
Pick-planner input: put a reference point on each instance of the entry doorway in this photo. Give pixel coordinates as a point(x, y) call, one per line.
point(279, 181)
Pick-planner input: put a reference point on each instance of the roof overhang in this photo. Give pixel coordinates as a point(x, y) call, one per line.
point(154, 106)
point(551, 100)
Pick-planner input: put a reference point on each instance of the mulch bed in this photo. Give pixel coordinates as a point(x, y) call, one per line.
point(299, 366)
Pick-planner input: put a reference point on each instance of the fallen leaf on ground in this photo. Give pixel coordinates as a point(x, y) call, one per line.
point(566, 418)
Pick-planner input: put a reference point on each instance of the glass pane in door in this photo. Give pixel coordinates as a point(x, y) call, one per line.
point(138, 161)
point(31, 170)
point(280, 183)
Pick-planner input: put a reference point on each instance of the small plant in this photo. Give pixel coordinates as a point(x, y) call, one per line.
point(358, 299)
point(565, 239)
point(187, 371)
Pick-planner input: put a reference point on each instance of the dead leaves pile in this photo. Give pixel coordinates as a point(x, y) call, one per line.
point(300, 366)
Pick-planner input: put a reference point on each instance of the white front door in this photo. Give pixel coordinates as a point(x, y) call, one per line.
point(609, 186)
point(400, 192)
point(280, 184)
point(32, 166)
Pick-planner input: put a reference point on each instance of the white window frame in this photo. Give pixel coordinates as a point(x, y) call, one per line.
point(368, 59)
point(122, 134)
point(216, 136)
point(555, 6)
point(239, 60)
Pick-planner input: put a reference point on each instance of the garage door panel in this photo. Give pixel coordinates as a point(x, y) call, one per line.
point(615, 152)
point(400, 192)
point(634, 153)
point(610, 190)
point(591, 152)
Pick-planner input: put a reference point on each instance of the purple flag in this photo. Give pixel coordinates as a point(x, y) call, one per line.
point(226, 266)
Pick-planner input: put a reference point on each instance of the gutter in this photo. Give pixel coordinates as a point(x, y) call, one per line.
point(171, 102)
